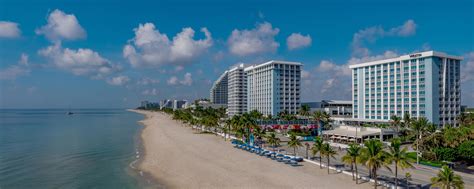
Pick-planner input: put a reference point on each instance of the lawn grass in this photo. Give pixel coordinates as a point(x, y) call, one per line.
point(412, 156)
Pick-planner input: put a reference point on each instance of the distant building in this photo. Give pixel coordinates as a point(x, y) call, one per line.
point(147, 105)
point(178, 104)
point(335, 108)
point(144, 103)
point(274, 87)
point(166, 104)
point(218, 92)
point(425, 84)
point(237, 91)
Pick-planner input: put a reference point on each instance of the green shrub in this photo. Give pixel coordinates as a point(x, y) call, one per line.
point(465, 151)
point(445, 154)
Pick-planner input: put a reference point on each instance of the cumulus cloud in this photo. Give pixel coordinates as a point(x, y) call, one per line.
point(254, 41)
point(467, 79)
point(9, 29)
point(374, 33)
point(385, 55)
point(22, 68)
point(187, 80)
point(147, 81)
point(62, 26)
point(118, 81)
point(83, 62)
point(296, 41)
point(150, 92)
point(150, 47)
point(173, 80)
point(330, 80)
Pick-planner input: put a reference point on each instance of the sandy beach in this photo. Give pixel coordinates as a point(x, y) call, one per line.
point(178, 157)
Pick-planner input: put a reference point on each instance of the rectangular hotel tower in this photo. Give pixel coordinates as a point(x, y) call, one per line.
point(425, 84)
point(274, 87)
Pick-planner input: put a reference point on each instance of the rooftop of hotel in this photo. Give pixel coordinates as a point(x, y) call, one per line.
point(406, 57)
point(273, 62)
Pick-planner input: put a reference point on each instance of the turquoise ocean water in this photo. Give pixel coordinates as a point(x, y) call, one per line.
point(46, 148)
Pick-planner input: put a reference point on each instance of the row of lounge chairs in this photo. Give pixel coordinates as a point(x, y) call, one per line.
point(291, 160)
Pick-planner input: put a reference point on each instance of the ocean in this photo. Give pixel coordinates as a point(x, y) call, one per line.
point(45, 148)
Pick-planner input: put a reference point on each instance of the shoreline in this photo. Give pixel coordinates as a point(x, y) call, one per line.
point(176, 157)
point(144, 179)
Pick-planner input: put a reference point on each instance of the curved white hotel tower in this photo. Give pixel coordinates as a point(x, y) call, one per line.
point(425, 84)
point(274, 87)
point(237, 91)
point(219, 90)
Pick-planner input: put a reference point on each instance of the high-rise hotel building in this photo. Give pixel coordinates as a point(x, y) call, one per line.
point(274, 87)
point(237, 91)
point(218, 92)
point(425, 84)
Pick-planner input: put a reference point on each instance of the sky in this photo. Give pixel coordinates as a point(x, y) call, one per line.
point(108, 54)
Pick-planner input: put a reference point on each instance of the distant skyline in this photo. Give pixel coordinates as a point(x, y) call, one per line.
point(107, 54)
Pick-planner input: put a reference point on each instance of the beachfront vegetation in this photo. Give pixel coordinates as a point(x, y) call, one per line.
point(399, 157)
point(352, 156)
point(294, 143)
point(374, 157)
point(446, 179)
point(328, 152)
point(317, 148)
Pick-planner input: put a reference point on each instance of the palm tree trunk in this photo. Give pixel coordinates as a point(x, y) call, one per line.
point(328, 163)
point(375, 178)
point(352, 170)
point(357, 174)
point(396, 175)
point(320, 161)
point(294, 151)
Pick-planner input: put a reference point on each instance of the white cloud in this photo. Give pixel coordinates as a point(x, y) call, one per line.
point(62, 26)
point(118, 81)
point(373, 33)
point(296, 41)
point(467, 79)
point(467, 68)
point(329, 80)
point(84, 62)
point(173, 80)
point(149, 47)
point(187, 80)
point(150, 92)
point(14, 71)
point(385, 55)
point(255, 41)
point(9, 29)
point(147, 81)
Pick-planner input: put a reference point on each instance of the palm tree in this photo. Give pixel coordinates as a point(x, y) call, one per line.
point(294, 143)
point(406, 119)
point(374, 157)
point(418, 126)
point(446, 179)
point(351, 157)
point(395, 123)
point(398, 156)
point(318, 147)
point(328, 152)
point(259, 133)
point(273, 140)
point(304, 110)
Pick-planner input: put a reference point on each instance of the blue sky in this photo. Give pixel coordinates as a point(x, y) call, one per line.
point(91, 54)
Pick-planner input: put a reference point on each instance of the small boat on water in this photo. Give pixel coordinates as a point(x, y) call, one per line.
point(69, 112)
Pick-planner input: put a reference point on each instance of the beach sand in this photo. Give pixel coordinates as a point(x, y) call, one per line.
point(178, 157)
